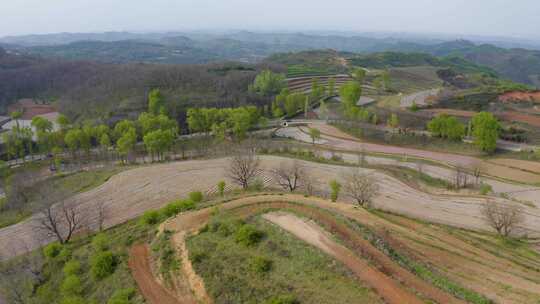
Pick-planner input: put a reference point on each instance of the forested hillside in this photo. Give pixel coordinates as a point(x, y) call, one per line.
point(84, 89)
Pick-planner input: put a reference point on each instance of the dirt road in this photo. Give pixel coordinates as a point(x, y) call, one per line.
point(315, 236)
point(393, 284)
point(153, 292)
point(130, 193)
point(337, 139)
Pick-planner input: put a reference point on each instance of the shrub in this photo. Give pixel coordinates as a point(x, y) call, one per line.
point(196, 196)
point(176, 207)
point(65, 254)
point(261, 264)
point(257, 185)
point(52, 250)
point(102, 265)
point(71, 285)
point(72, 267)
point(100, 242)
point(248, 235)
point(73, 300)
point(150, 217)
point(485, 189)
point(221, 188)
point(335, 187)
point(283, 300)
point(122, 296)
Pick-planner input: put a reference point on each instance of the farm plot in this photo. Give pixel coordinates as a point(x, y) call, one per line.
point(420, 98)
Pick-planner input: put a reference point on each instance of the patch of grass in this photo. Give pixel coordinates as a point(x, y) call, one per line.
point(298, 273)
point(165, 254)
point(81, 254)
point(70, 184)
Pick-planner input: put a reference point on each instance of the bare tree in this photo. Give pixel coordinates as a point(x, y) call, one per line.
point(420, 167)
point(360, 186)
point(56, 218)
point(60, 221)
point(101, 214)
point(504, 218)
point(362, 157)
point(289, 176)
point(461, 177)
point(244, 167)
point(309, 185)
point(477, 171)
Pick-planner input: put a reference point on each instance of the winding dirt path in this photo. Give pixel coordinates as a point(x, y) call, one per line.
point(312, 234)
point(153, 292)
point(388, 278)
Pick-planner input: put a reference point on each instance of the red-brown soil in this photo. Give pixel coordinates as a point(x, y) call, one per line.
point(393, 282)
point(520, 96)
point(30, 108)
point(153, 292)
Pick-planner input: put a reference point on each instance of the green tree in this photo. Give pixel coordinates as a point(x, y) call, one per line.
point(317, 90)
point(393, 121)
point(43, 129)
point(156, 104)
point(221, 187)
point(123, 127)
point(331, 86)
point(486, 130)
point(159, 141)
point(16, 115)
point(350, 94)
point(241, 122)
point(359, 74)
point(446, 127)
point(315, 134)
point(268, 83)
point(294, 103)
point(335, 188)
point(63, 122)
point(72, 140)
point(126, 143)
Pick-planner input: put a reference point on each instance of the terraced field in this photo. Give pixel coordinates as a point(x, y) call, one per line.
point(399, 259)
point(130, 193)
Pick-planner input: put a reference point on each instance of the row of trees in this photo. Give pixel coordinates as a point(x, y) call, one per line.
point(154, 128)
point(220, 122)
point(484, 128)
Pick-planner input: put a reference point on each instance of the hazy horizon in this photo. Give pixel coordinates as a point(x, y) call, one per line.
point(495, 18)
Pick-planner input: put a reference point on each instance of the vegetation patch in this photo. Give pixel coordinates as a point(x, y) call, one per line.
point(164, 253)
point(277, 269)
point(82, 271)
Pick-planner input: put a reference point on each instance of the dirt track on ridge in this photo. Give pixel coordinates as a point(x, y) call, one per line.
point(312, 234)
point(386, 277)
point(153, 292)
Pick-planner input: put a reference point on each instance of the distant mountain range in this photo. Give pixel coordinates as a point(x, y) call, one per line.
point(518, 64)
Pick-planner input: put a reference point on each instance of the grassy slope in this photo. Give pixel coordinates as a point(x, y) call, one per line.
point(297, 269)
point(95, 291)
point(70, 183)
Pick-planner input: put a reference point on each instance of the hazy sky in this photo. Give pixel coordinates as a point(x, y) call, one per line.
point(519, 18)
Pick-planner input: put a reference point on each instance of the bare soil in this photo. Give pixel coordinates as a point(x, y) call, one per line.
point(520, 96)
point(153, 292)
point(311, 233)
